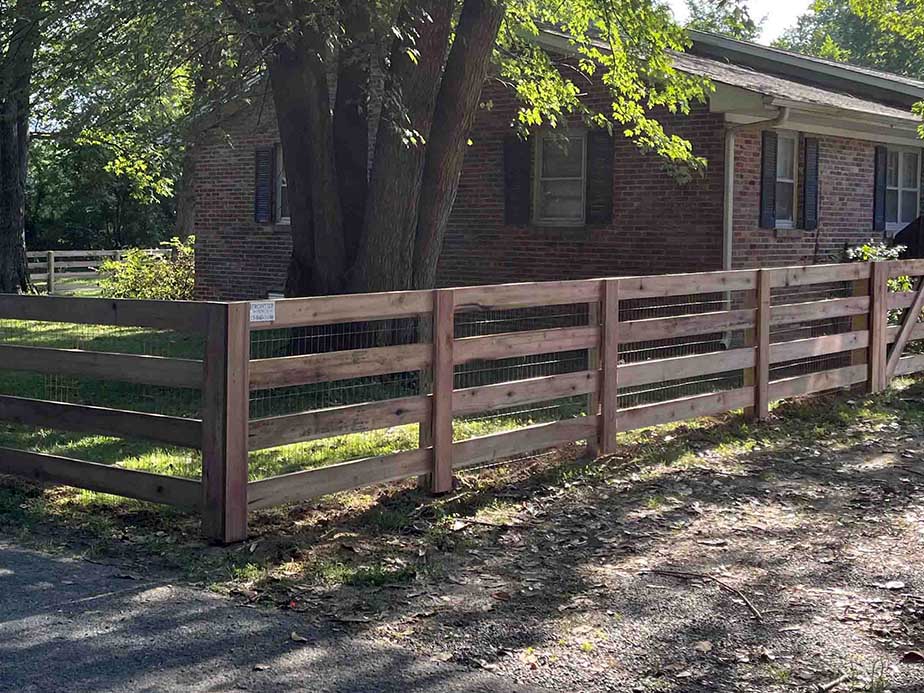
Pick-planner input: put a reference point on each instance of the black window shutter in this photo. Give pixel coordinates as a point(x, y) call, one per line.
point(810, 184)
point(599, 177)
point(768, 179)
point(517, 178)
point(264, 184)
point(879, 188)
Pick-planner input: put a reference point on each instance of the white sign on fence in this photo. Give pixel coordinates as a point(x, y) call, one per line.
point(263, 311)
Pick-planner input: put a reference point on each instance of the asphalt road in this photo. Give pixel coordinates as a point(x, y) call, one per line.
point(72, 625)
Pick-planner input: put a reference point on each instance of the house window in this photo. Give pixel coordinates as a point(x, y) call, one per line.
point(787, 163)
point(560, 180)
point(282, 189)
point(903, 188)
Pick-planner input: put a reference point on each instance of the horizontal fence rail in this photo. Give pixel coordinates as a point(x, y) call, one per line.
point(73, 271)
point(597, 358)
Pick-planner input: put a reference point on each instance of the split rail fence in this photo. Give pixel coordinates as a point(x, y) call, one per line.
point(294, 344)
point(71, 271)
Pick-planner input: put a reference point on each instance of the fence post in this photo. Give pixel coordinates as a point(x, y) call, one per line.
point(609, 385)
point(225, 415)
point(594, 363)
point(50, 273)
point(878, 325)
point(443, 384)
point(762, 347)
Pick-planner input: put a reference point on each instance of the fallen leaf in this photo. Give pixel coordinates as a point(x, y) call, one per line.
point(913, 657)
point(703, 646)
point(260, 667)
point(442, 656)
point(295, 637)
point(892, 585)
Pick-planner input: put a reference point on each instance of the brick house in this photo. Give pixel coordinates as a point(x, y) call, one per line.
point(804, 157)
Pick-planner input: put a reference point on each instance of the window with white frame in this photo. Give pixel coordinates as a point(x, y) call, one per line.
point(560, 180)
point(282, 189)
point(787, 167)
point(903, 188)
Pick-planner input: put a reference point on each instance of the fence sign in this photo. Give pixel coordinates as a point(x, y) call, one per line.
point(263, 311)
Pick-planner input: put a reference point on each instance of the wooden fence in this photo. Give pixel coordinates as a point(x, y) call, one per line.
point(72, 271)
point(871, 348)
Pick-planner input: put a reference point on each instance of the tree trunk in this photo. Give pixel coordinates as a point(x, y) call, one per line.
point(186, 194)
point(15, 90)
point(386, 249)
point(303, 113)
point(456, 107)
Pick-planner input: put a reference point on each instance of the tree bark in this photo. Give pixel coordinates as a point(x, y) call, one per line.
point(303, 113)
point(16, 67)
point(386, 248)
point(456, 106)
point(186, 194)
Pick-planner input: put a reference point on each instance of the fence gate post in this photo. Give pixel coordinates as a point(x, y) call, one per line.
point(878, 325)
point(595, 363)
point(609, 385)
point(443, 384)
point(762, 347)
point(225, 415)
point(50, 273)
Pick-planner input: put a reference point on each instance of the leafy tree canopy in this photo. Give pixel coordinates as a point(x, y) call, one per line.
point(727, 17)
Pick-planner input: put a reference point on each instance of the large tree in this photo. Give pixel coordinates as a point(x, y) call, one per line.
point(727, 17)
point(21, 25)
point(409, 73)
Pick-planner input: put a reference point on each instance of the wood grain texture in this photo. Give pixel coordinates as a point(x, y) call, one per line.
point(171, 430)
point(817, 382)
point(780, 352)
point(288, 371)
point(331, 310)
point(129, 368)
point(685, 408)
point(762, 347)
point(818, 310)
point(344, 476)
point(483, 398)
point(443, 385)
point(818, 274)
point(511, 344)
point(909, 325)
point(496, 446)
point(678, 367)
point(685, 325)
point(609, 399)
point(274, 431)
point(157, 488)
point(878, 321)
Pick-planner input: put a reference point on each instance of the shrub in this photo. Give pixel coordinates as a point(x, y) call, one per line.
point(138, 274)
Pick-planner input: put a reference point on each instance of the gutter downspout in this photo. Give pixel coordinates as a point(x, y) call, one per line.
point(728, 219)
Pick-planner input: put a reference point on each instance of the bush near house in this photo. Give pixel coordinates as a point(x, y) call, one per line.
point(142, 275)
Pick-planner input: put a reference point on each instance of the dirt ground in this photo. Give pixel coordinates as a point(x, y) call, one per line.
point(717, 556)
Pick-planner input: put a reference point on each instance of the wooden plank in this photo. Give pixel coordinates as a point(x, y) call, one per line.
point(528, 294)
point(496, 446)
point(225, 414)
point(818, 310)
point(658, 286)
point(484, 398)
point(334, 478)
point(910, 364)
point(781, 352)
point(878, 311)
point(609, 381)
point(171, 430)
point(275, 431)
point(909, 324)
point(511, 344)
point(762, 345)
point(330, 310)
point(899, 268)
point(104, 365)
point(892, 333)
point(685, 325)
point(817, 382)
point(685, 408)
point(679, 367)
point(818, 274)
point(443, 385)
point(594, 318)
point(156, 488)
point(860, 323)
point(901, 299)
point(285, 371)
point(185, 316)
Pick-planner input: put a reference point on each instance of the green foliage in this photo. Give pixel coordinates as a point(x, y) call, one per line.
point(169, 277)
point(874, 250)
point(727, 17)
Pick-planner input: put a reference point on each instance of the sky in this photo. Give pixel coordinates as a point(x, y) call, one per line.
point(780, 14)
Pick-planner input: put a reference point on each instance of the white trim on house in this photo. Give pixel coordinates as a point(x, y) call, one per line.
point(899, 188)
point(792, 179)
point(279, 182)
point(542, 140)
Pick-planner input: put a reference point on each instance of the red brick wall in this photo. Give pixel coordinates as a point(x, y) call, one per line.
point(235, 257)
point(845, 205)
point(658, 225)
